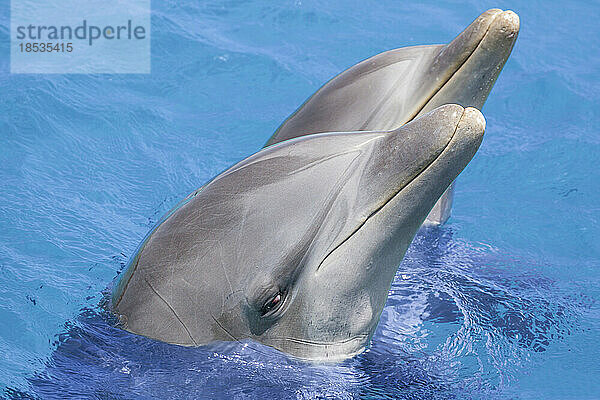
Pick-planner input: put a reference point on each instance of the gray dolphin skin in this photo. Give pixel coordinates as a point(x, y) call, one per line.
point(297, 245)
point(390, 89)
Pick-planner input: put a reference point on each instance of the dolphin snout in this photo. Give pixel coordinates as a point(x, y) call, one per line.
point(501, 35)
point(454, 129)
point(455, 53)
point(446, 138)
point(492, 29)
point(491, 21)
point(407, 151)
point(458, 132)
point(506, 23)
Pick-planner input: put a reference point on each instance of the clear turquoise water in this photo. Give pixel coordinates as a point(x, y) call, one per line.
point(500, 303)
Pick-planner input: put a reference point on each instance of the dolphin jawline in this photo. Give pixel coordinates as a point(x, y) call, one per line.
point(396, 193)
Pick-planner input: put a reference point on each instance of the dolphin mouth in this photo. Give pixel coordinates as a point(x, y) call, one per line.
point(500, 29)
point(469, 113)
point(329, 351)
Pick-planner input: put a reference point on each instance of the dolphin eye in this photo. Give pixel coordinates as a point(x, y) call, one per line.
point(272, 304)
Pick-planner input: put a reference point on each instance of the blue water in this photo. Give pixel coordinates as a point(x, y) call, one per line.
point(502, 302)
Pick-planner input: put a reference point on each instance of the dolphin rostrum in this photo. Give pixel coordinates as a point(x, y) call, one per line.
point(297, 245)
point(390, 89)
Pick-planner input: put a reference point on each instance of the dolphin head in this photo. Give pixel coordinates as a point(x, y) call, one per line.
point(296, 246)
point(390, 89)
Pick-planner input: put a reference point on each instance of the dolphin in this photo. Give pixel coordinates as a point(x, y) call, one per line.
point(390, 89)
point(297, 245)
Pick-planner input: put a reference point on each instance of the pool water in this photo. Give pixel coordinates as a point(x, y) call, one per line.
point(502, 302)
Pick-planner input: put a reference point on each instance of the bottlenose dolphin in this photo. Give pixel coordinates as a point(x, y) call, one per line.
point(297, 245)
point(390, 89)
